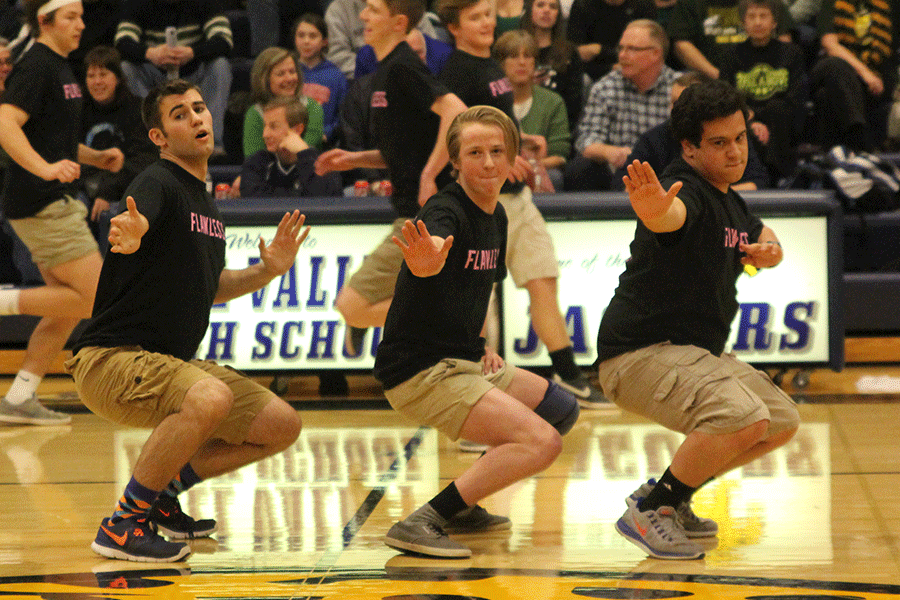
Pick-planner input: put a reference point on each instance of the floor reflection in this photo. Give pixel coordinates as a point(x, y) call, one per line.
point(303, 499)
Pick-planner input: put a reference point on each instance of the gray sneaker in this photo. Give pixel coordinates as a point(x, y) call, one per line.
point(656, 533)
point(31, 412)
point(476, 520)
point(692, 525)
point(587, 395)
point(422, 532)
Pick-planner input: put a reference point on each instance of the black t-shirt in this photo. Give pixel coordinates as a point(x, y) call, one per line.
point(159, 297)
point(774, 71)
point(403, 91)
point(432, 318)
point(480, 81)
point(680, 286)
point(42, 84)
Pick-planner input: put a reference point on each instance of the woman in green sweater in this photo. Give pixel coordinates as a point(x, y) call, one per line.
point(540, 111)
point(274, 74)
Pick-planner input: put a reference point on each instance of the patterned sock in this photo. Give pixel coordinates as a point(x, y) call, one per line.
point(185, 480)
point(563, 361)
point(448, 502)
point(135, 501)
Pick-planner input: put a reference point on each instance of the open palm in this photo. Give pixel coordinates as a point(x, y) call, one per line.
point(423, 255)
point(646, 194)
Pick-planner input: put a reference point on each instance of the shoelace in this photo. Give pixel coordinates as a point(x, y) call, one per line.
point(435, 529)
point(663, 530)
point(687, 515)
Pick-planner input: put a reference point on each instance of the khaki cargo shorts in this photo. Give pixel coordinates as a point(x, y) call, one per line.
point(443, 396)
point(686, 388)
point(376, 278)
point(57, 234)
point(529, 248)
point(134, 387)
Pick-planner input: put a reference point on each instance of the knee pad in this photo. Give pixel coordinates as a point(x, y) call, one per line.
point(559, 408)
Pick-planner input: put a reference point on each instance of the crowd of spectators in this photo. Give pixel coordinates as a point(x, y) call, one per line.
point(590, 83)
point(816, 73)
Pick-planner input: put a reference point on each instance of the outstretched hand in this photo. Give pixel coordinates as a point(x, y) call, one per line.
point(279, 255)
point(648, 198)
point(423, 255)
point(127, 228)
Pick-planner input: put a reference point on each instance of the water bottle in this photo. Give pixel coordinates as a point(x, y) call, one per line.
point(171, 42)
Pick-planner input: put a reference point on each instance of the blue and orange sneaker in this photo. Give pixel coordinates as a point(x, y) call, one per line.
point(166, 516)
point(134, 539)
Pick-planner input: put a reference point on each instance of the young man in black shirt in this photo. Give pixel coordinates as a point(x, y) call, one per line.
point(410, 111)
point(433, 361)
point(40, 129)
point(134, 362)
point(661, 340)
point(478, 79)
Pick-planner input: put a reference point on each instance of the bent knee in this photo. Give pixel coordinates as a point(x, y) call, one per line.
point(281, 423)
point(209, 401)
point(547, 446)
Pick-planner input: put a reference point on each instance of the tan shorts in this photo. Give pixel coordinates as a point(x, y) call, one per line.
point(57, 234)
point(376, 278)
point(529, 248)
point(686, 388)
point(133, 387)
point(443, 395)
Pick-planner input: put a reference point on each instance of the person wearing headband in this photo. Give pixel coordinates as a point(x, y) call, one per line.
point(40, 125)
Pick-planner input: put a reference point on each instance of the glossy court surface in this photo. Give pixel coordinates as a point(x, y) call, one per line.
point(817, 519)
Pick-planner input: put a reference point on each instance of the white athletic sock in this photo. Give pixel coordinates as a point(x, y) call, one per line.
point(23, 387)
point(9, 302)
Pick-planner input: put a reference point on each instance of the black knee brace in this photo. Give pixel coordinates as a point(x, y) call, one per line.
point(559, 408)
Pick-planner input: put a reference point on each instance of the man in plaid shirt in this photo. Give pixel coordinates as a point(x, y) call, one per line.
point(625, 103)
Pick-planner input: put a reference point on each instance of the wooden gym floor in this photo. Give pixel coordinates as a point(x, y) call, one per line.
point(817, 519)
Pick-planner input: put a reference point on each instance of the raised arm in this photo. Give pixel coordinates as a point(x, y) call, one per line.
point(660, 210)
point(425, 254)
point(446, 107)
point(277, 258)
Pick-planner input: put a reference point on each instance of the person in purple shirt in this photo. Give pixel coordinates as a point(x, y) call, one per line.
point(322, 79)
